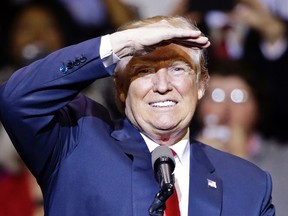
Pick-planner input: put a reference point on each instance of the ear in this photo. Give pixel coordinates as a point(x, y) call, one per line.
point(118, 87)
point(201, 92)
point(122, 97)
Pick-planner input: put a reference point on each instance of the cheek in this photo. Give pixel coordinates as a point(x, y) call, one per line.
point(207, 107)
point(135, 101)
point(137, 90)
point(55, 42)
point(130, 102)
point(19, 40)
point(186, 87)
point(17, 46)
point(247, 114)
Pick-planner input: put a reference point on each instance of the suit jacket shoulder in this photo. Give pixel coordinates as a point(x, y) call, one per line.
point(234, 185)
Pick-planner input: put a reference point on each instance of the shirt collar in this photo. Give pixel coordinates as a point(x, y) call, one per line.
point(180, 147)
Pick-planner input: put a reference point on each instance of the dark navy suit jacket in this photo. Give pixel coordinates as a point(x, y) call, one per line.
point(88, 165)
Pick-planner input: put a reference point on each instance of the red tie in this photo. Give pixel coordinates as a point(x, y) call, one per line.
point(172, 204)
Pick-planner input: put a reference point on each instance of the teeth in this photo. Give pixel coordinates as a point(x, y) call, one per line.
point(163, 104)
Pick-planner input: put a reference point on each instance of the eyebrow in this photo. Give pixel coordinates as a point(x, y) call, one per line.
point(159, 61)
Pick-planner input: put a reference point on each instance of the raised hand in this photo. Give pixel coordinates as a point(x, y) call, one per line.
point(142, 40)
point(254, 14)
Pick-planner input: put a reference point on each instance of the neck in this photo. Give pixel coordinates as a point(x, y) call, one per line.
point(168, 139)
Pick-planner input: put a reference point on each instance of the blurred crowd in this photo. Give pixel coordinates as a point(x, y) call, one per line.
point(244, 111)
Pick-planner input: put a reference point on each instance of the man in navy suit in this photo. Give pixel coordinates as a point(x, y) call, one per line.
point(88, 165)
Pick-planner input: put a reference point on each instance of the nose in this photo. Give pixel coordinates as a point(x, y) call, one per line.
point(41, 35)
point(162, 81)
point(226, 111)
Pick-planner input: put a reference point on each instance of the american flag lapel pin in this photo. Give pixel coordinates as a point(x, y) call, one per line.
point(211, 183)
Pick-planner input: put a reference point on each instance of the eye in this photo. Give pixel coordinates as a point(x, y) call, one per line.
point(238, 96)
point(144, 71)
point(179, 69)
point(218, 95)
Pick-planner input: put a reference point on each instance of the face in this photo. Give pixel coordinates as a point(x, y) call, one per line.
point(230, 100)
point(35, 25)
point(162, 94)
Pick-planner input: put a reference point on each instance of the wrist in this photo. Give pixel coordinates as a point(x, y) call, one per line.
point(275, 31)
point(121, 45)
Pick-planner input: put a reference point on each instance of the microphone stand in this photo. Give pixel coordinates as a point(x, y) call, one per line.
point(158, 206)
point(163, 164)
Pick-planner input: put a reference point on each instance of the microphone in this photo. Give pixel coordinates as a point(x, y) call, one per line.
point(163, 164)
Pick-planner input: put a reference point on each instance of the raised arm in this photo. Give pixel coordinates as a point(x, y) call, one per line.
point(34, 99)
point(37, 96)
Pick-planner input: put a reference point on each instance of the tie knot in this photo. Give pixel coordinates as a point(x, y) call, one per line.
point(173, 152)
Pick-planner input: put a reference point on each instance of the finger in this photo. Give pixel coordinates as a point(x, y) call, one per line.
point(174, 32)
point(253, 4)
point(201, 42)
point(180, 34)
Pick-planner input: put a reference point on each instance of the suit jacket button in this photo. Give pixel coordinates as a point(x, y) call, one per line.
point(70, 65)
point(77, 62)
point(63, 69)
point(82, 59)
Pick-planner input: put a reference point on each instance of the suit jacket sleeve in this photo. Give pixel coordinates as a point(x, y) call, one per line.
point(36, 95)
point(268, 208)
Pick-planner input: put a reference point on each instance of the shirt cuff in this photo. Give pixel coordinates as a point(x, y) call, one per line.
point(107, 56)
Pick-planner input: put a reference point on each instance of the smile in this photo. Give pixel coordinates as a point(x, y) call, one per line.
point(167, 103)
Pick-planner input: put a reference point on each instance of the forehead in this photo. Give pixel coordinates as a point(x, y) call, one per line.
point(171, 52)
point(34, 13)
point(227, 82)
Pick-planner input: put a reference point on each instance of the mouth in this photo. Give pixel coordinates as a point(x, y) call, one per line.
point(166, 103)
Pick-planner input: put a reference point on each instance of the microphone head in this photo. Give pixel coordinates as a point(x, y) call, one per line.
point(162, 154)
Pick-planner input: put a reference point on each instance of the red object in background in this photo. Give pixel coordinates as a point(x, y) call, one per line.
point(15, 197)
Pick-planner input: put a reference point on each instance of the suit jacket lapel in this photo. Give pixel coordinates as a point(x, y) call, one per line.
point(205, 189)
point(144, 185)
